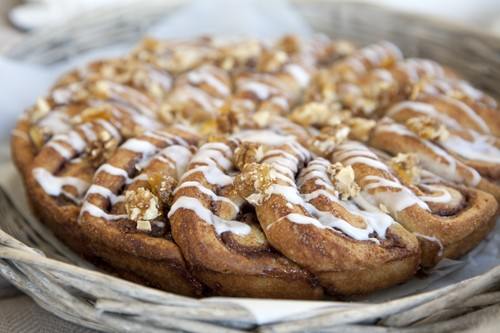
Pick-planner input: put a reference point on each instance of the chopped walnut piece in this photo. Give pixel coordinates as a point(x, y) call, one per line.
point(360, 128)
point(240, 53)
point(142, 207)
point(272, 61)
point(234, 114)
point(101, 89)
point(322, 87)
point(262, 118)
point(40, 110)
point(144, 226)
point(419, 87)
point(427, 128)
point(343, 179)
point(253, 181)
point(167, 114)
point(319, 114)
point(324, 143)
point(246, 153)
point(406, 168)
point(163, 187)
point(100, 150)
point(95, 113)
point(182, 59)
point(39, 135)
point(365, 106)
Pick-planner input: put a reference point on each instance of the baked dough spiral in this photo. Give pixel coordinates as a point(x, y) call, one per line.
point(295, 169)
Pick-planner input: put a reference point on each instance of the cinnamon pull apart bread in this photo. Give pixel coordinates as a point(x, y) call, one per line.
point(299, 168)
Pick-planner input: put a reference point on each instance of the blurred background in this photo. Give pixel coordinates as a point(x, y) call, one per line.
point(20, 16)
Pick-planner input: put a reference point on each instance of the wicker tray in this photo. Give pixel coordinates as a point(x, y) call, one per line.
point(38, 264)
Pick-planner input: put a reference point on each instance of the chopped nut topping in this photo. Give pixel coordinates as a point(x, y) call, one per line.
point(247, 153)
point(40, 110)
point(230, 119)
point(366, 106)
point(253, 181)
point(272, 61)
point(322, 87)
point(343, 179)
point(406, 168)
point(163, 187)
point(144, 226)
point(360, 128)
point(101, 89)
point(418, 87)
point(100, 150)
point(319, 114)
point(182, 59)
point(324, 143)
point(39, 135)
point(95, 113)
point(240, 53)
point(142, 206)
point(427, 128)
point(262, 118)
point(166, 113)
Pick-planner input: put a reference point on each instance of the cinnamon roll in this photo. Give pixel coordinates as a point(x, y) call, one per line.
point(219, 233)
point(302, 168)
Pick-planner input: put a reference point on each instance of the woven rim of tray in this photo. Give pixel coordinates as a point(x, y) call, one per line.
point(68, 287)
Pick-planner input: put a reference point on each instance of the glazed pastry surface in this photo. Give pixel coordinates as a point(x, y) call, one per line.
point(298, 169)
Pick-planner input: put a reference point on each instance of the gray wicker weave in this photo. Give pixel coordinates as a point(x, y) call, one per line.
point(38, 264)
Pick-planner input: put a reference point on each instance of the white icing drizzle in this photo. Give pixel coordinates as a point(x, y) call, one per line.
point(88, 132)
point(446, 168)
point(212, 157)
point(105, 193)
point(143, 147)
point(114, 171)
point(178, 156)
point(108, 127)
point(210, 193)
point(471, 114)
point(54, 185)
point(480, 149)
point(444, 196)
point(95, 211)
point(375, 222)
point(73, 139)
point(212, 174)
point(395, 201)
point(259, 89)
point(187, 93)
point(60, 149)
point(425, 109)
point(203, 75)
point(220, 225)
point(298, 73)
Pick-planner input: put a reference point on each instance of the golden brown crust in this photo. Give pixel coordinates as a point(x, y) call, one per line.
point(104, 157)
